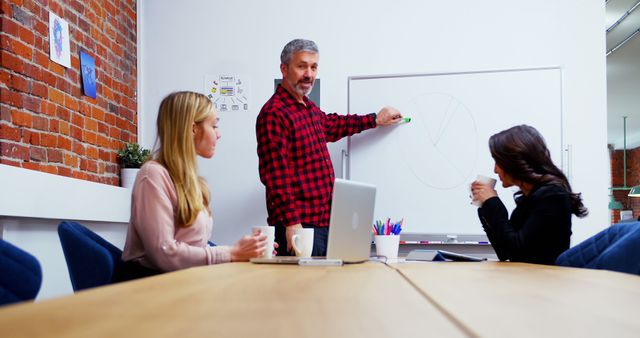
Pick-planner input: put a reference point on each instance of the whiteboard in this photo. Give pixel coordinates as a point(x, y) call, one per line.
point(423, 169)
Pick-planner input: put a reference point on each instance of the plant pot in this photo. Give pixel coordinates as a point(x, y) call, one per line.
point(128, 177)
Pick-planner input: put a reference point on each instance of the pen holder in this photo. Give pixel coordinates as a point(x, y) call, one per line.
point(387, 245)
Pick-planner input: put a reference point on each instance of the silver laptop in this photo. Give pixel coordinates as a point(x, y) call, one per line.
point(349, 227)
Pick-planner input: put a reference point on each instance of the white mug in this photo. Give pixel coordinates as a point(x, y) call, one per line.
point(271, 234)
point(486, 180)
point(302, 242)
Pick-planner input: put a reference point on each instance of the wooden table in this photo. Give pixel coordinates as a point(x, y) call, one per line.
point(493, 299)
point(240, 300)
point(486, 299)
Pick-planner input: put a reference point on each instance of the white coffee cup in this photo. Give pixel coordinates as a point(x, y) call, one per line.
point(387, 246)
point(486, 180)
point(302, 242)
point(271, 234)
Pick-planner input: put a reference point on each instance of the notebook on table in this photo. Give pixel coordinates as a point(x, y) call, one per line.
point(349, 227)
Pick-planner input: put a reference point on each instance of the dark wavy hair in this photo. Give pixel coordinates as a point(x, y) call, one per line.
point(523, 154)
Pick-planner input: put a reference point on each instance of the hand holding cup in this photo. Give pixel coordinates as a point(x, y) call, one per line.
point(482, 189)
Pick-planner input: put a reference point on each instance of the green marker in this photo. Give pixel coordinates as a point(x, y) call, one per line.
point(404, 120)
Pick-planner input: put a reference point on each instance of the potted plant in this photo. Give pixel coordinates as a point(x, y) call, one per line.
point(131, 158)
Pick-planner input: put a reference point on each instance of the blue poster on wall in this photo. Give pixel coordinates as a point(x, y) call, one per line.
point(88, 67)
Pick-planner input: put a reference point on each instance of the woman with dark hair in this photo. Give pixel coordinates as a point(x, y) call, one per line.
point(540, 226)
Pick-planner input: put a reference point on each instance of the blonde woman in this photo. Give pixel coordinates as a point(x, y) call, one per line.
point(170, 218)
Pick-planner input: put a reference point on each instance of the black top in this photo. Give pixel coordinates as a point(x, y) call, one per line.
point(539, 229)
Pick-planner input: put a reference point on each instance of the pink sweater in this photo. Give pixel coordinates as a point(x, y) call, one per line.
point(153, 238)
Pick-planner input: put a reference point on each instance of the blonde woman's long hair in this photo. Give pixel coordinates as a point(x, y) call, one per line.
point(177, 153)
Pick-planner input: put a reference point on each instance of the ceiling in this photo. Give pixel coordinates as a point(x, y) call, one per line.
point(623, 72)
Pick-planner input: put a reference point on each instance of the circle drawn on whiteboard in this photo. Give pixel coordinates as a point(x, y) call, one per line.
point(443, 141)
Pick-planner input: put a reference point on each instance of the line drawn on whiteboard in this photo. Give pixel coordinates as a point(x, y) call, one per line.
point(445, 139)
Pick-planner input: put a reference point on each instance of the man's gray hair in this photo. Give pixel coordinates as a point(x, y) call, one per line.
point(297, 45)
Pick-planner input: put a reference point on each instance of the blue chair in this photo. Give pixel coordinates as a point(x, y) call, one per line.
point(20, 274)
point(616, 248)
point(92, 261)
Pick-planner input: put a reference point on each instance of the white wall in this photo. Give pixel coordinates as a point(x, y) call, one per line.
point(182, 43)
point(33, 203)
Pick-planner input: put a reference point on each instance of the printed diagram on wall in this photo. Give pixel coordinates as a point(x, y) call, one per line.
point(228, 92)
point(88, 67)
point(59, 40)
point(441, 122)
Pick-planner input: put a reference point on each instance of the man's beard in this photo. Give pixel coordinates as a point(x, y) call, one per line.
point(298, 89)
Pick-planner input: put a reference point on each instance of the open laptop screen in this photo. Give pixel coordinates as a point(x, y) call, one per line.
point(351, 219)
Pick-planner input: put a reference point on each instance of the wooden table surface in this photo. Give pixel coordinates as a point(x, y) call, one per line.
point(499, 299)
point(240, 300)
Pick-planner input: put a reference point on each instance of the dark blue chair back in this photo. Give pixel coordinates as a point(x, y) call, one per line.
point(92, 261)
point(20, 274)
point(616, 248)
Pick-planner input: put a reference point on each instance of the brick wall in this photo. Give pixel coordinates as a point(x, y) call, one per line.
point(633, 178)
point(46, 123)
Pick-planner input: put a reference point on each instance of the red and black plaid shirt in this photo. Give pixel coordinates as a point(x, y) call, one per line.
point(295, 166)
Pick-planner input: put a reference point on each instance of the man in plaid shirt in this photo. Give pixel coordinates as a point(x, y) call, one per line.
point(294, 162)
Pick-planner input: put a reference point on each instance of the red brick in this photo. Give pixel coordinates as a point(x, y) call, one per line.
point(32, 103)
point(34, 72)
point(19, 83)
point(50, 169)
point(71, 103)
point(37, 154)
point(79, 175)
point(76, 132)
point(40, 122)
point(64, 171)
point(64, 128)
point(17, 47)
point(5, 113)
point(103, 141)
point(12, 62)
point(92, 152)
point(103, 129)
point(14, 151)
point(26, 35)
point(7, 161)
point(77, 120)
point(32, 166)
point(92, 166)
point(5, 8)
point(104, 155)
point(11, 98)
point(5, 76)
point(63, 113)
point(41, 28)
point(56, 96)
point(20, 118)
point(42, 59)
point(9, 132)
point(54, 155)
point(56, 68)
point(50, 78)
point(64, 143)
point(70, 160)
point(79, 148)
point(9, 26)
point(90, 124)
point(40, 90)
point(54, 126)
point(31, 137)
point(115, 133)
point(89, 137)
point(48, 140)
